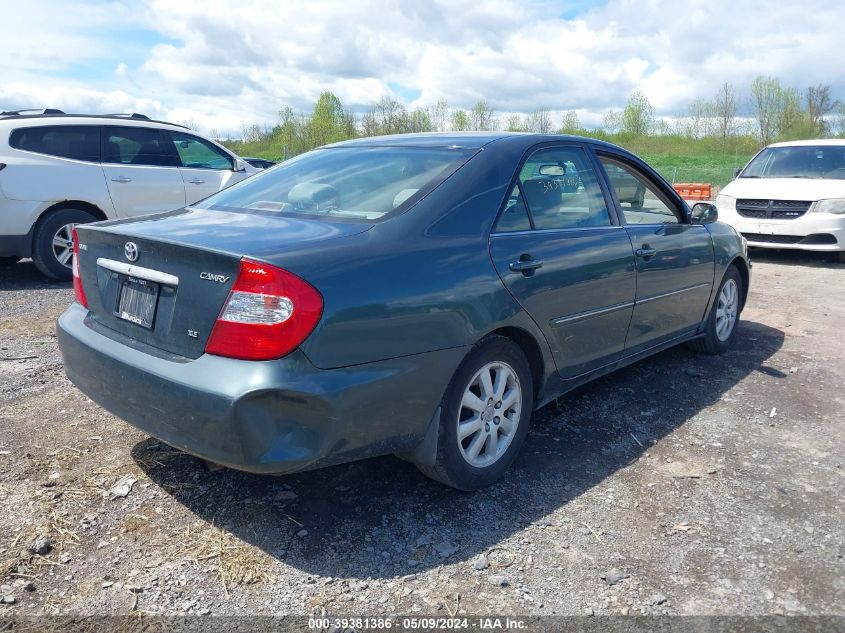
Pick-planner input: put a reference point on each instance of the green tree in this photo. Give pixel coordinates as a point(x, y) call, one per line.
point(327, 123)
point(389, 116)
point(439, 114)
point(460, 120)
point(724, 110)
point(571, 124)
point(515, 123)
point(611, 121)
point(638, 115)
point(287, 136)
point(767, 102)
point(540, 121)
point(420, 121)
point(481, 117)
point(819, 104)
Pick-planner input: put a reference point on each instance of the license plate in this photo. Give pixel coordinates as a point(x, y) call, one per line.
point(137, 301)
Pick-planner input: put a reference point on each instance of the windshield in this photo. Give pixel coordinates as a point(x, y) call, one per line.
point(798, 161)
point(351, 183)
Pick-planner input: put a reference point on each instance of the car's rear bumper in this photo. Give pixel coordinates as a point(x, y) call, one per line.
point(265, 417)
point(810, 232)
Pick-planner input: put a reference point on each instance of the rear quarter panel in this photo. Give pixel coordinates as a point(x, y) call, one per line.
point(35, 177)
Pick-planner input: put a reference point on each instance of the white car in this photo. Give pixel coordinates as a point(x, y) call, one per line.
point(790, 195)
point(58, 170)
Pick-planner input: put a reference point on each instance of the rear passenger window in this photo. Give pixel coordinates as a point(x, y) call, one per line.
point(79, 142)
point(561, 190)
point(515, 215)
point(137, 146)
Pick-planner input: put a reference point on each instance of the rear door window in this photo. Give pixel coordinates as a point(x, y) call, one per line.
point(515, 215)
point(137, 146)
point(79, 142)
point(562, 191)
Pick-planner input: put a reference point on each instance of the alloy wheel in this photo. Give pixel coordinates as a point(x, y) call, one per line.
point(63, 245)
point(489, 414)
point(726, 310)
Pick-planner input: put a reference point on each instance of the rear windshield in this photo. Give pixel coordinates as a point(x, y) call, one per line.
point(346, 183)
point(800, 161)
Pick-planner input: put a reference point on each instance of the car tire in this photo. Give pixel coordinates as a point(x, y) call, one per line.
point(476, 460)
point(720, 329)
point(51, 258)
point(5, 262)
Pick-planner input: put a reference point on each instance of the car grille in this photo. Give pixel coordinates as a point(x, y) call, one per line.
point(772, 209)
point(773, 239)
point(814, 239)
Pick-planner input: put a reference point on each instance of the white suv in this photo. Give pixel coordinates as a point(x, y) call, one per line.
point(58, 170)
point(790, 195)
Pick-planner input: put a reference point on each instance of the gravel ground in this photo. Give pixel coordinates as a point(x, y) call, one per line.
point(684, 484)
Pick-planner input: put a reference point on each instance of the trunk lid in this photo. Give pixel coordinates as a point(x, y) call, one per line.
point(161, 281)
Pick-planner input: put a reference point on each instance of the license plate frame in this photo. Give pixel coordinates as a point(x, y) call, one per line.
point(137, 301)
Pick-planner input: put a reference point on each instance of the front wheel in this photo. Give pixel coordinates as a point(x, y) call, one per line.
point(484, 416)
point(720, 329)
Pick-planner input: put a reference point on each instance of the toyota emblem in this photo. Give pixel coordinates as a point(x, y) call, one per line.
point(131, 251)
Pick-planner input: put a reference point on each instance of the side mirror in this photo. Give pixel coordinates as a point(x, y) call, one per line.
point(704, 213)
point(737, 172)
point(240, 165)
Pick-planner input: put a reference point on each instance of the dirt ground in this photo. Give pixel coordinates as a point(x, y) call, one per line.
point(684, 484)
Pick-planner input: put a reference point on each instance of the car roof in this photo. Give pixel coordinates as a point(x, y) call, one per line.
point(467, 140)
point(812, 142)
point(33, 120)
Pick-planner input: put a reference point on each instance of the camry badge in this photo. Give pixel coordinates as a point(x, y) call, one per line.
point(222, 279)
point(130, 249)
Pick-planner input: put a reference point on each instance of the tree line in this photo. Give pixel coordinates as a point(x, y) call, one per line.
point(769, 112)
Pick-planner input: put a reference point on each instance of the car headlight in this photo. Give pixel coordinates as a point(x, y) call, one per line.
point(831, 205)
point(725, 203)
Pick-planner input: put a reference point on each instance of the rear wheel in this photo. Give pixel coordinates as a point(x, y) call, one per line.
point(9, 261)
point(484, 416)
point(52, 248)
point(720, 329)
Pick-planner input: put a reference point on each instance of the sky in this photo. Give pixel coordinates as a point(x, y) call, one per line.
point(220, 65)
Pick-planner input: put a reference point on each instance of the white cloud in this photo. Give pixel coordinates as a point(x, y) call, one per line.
point(221, 67)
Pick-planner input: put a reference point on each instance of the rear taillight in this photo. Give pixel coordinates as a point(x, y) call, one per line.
point(269, 312)
point(78, 291)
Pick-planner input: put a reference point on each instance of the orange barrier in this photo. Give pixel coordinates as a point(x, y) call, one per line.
point(694, 190)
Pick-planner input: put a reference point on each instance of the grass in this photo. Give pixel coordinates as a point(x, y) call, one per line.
point(680, 159)
point(676, 158)
point(236, 562)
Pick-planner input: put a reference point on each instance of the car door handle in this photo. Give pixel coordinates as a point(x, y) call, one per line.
point(646, 251)
point(121, 179)
point(196, 181)
point(525, 265)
